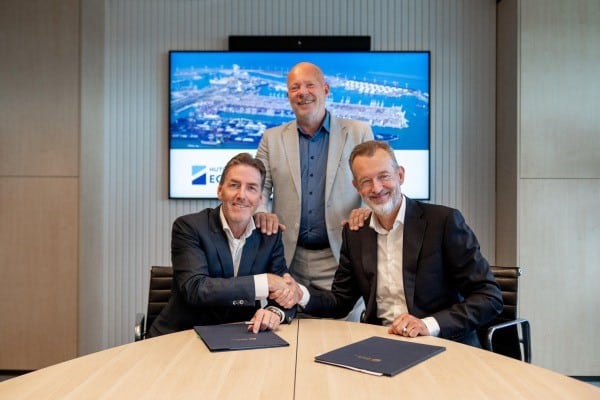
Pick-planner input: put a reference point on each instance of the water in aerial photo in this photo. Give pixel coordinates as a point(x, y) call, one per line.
point(226, 100)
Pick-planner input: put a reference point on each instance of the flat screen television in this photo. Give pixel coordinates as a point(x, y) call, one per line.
point(221, 102)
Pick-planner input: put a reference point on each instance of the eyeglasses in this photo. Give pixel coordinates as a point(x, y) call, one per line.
point(367, 183)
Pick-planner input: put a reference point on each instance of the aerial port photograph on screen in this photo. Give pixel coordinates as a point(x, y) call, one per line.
point(227, 100)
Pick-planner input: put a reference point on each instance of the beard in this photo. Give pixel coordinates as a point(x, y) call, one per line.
point(388, 207)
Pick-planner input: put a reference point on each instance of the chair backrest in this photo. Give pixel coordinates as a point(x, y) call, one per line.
point(508, 279)
point(161, 281)
point(506, 341)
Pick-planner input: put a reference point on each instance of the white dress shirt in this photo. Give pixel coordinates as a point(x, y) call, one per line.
point(391, 298)
point(236, 246)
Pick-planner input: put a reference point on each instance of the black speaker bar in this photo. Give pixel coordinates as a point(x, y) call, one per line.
point(299, 43)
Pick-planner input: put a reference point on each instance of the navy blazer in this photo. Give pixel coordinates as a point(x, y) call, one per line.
point(205, 292)
point(445, 275)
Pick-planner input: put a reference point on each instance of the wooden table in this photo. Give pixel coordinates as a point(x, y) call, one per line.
point(179, 366)
point(460, 372)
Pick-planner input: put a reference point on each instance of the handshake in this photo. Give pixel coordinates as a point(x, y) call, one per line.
point(284, 290)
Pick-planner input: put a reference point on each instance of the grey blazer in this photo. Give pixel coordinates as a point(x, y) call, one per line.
point(279, 151)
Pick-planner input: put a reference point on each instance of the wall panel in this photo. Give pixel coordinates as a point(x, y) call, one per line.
point(39, 99)
point(557, 185)
point(559, 255)
point(39, 177)
point(559, 110)
point(38, 276)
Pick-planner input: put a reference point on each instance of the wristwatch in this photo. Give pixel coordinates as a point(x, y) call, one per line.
point(276, 311)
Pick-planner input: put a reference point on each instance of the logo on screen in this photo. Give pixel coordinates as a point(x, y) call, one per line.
point(198, 174)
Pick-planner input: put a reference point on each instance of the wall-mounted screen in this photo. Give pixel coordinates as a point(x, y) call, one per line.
point(221, 102)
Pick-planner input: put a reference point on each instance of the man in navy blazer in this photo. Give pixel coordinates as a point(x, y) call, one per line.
point(222, 265)
point(417, 266)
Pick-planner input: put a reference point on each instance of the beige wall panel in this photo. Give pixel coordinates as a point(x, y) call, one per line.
point(559, 225)
point(39, 96)
point(560, 55)
point(38, 271)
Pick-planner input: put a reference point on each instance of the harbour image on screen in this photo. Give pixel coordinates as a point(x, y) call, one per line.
point(221, 102)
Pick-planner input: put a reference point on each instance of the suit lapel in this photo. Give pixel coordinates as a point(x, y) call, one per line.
point(368, 243)
point(220, 241)
point(338, 135)
point(249, 254)
point(414, 231)
point(292, 153)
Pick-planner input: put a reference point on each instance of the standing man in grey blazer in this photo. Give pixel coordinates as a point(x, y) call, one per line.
point(309, 178)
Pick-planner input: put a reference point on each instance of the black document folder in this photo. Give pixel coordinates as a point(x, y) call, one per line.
point(236, 337)
point(380, 356)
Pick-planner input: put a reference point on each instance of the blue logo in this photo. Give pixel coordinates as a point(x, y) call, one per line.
point(198, 174)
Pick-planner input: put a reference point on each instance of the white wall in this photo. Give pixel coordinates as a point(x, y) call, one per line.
point(125, 214)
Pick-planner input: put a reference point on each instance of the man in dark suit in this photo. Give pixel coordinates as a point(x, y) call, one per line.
point(222, 265)
point(417, 266)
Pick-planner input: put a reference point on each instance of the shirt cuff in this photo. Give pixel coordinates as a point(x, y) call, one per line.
point(432, 326)
point(261, 286)
point(305, 296)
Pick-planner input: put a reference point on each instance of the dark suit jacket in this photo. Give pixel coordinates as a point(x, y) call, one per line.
point(205, 292)
point(445, 276)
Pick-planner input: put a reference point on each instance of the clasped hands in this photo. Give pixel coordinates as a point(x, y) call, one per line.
point(284, 290)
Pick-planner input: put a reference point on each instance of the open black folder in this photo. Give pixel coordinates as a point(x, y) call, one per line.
point(380, 356)
point(236, 337)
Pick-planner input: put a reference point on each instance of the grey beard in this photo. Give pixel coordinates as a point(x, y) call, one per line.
point(385, 209)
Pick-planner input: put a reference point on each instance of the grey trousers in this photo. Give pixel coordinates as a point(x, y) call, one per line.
point(317, 268)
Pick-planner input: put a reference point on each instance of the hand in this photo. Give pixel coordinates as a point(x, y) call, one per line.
point(284, 290)
point(357, 218)
point(268, 223)
point(263, 320)
point(408, 326)
point(277, 282)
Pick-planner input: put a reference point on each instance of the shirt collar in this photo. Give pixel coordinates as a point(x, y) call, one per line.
point(249, 228)
point(399, 221)
point(325, 126)
point(326, 122)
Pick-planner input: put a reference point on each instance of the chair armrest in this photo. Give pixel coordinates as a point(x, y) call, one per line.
point(138, 328)
point(526, 340)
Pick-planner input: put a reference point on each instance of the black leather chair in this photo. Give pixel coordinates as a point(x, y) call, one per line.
point(502, 335)
point(159, 293)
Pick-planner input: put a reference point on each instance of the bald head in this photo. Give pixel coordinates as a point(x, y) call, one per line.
point(306, 69)
point(307, 92)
